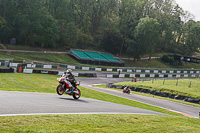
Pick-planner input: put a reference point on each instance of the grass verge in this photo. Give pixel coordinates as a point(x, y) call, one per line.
point(81, 123)
point(186, 87)
point(56, 58)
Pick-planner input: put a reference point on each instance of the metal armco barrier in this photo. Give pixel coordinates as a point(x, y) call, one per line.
point(145, 75)
point(58, 73)
point(128, 70)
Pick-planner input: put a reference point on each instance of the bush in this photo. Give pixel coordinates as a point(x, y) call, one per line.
point(165, 58)
point(171, 60)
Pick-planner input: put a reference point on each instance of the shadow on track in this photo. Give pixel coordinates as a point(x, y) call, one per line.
point(75, 100)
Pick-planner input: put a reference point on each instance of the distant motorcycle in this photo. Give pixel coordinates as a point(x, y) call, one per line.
point(61, 88)
point(126, 90)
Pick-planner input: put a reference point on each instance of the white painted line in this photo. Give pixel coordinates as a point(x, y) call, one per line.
point(73, 113)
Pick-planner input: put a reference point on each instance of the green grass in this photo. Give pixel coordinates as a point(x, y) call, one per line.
point(28, 82)
point(82, 123)
point(180, 87)
point(56, 58)
point(29, 48)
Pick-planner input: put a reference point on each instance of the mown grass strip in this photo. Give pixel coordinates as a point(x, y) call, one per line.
point(98, 123)
point(186, 87)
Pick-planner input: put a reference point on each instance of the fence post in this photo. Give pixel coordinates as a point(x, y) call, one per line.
point(177, 82)
point(190, 84)
point(164, 82)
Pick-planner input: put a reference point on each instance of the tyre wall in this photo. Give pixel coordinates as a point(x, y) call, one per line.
point(158, 93)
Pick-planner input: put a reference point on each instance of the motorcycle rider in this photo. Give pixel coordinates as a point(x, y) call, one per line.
point(70, 81)
point(126, 89)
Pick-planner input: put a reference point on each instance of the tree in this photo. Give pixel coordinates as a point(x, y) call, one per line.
point(133, 49)
point(83, 23)
point(129, 15)
point(47, 32)
point(68, 35)
point(192, 38)
point(2, 22)
point(111, 41)
point(147, 34)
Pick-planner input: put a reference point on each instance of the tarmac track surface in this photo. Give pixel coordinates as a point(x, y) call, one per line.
point(29, 103)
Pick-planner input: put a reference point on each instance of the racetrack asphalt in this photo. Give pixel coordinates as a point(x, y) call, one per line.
point(29, 103)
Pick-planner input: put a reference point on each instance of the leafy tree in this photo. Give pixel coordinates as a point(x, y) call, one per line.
point(84, 41)
point(111, 41)
point(2, 22)
point(192, 38)
point(68, 35)
point(133, 49)
point(129, 15)
point(147, 34)
point(47, 32)
point(83, 24)
point(7, 14)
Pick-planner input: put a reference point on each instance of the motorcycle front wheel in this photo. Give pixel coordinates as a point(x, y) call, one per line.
point(77, 94)
point(60, 90)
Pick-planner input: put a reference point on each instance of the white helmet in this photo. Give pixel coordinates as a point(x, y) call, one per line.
point(69, 71)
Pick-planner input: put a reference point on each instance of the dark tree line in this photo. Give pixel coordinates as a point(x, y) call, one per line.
point(131, 27)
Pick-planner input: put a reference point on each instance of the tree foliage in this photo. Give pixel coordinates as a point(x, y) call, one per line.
point(116, 26)
point(111, 41)
point(147, 34)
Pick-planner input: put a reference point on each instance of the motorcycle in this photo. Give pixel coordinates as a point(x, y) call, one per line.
point(126, 90)
point(61, 88)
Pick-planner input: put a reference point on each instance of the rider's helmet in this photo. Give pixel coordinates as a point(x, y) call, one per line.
point(69, 71)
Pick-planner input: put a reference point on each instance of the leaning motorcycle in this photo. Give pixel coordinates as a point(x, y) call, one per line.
point(126, 90)
point(61, 88)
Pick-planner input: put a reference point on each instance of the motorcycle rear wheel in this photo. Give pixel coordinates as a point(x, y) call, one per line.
point(75, 95)
point(60, 90)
